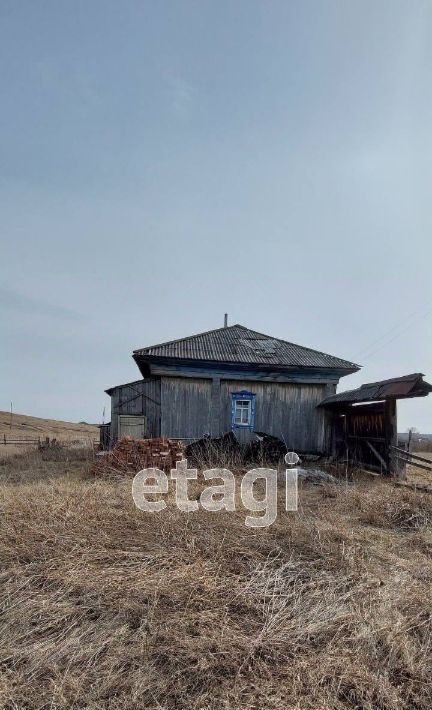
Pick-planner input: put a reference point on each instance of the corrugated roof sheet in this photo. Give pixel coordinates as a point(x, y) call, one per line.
point(238, 344)
point(398, 387)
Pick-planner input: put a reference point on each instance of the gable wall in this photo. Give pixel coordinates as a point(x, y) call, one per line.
point(142, 397)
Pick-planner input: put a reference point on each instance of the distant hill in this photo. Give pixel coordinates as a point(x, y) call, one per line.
point(24, 426)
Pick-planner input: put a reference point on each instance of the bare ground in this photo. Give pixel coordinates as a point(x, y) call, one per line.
point(104, 606)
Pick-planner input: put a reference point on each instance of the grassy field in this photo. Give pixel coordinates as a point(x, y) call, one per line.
point(104, 606)
point(24, 427)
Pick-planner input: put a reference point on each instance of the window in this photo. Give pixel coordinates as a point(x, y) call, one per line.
point(243, 412)
point(242, 409)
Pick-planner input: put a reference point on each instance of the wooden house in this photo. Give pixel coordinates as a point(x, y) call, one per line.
point(229, 379)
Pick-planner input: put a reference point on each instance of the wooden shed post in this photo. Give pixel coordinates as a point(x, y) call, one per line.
point(390, 428)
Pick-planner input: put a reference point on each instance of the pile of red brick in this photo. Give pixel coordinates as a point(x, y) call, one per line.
point(131, 455)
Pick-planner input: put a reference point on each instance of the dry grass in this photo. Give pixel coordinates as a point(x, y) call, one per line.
point(107, 607)
point(56, 463)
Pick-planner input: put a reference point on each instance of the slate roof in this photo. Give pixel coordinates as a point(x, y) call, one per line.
point(396, 388)
point(238, 344)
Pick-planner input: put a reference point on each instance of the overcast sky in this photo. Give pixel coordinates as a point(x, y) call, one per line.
point(164, 162)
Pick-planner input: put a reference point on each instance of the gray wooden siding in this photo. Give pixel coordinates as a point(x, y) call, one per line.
point(139, 398)
point(186, 407)
point(285, 410)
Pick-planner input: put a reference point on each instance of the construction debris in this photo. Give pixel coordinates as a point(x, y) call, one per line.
point(227, 450)
point(209, 452)
point(310, 475)
point(265, 448)
point(131, 455)
point(315, 476)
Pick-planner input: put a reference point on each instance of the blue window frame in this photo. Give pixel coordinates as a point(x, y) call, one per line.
point(243, 410)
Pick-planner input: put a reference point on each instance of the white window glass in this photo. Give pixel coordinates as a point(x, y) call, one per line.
point(243, 412)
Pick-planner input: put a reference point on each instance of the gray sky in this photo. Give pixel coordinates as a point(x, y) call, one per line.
point(164, 162)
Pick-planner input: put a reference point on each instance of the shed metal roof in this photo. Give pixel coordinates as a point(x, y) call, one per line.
point(110, 390)
point(238, 344)
point(396, 388)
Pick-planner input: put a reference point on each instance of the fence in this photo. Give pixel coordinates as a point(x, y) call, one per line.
point(403, 456)
point(43, 442)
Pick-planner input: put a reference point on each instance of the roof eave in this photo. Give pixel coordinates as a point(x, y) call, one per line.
point(145, 361)
point(420, 388)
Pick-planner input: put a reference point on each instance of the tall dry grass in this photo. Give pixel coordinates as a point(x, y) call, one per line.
point(104, 606)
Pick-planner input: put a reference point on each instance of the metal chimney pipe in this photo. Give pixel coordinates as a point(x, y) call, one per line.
point(226, 320)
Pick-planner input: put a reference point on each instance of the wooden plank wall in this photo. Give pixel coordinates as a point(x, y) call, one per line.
point(191, 407)
point(186, 407)
point(285, 410)
point(142, 397)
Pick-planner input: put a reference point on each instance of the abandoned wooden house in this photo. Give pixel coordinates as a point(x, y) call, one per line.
point(235, 379)
point(229, 379)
